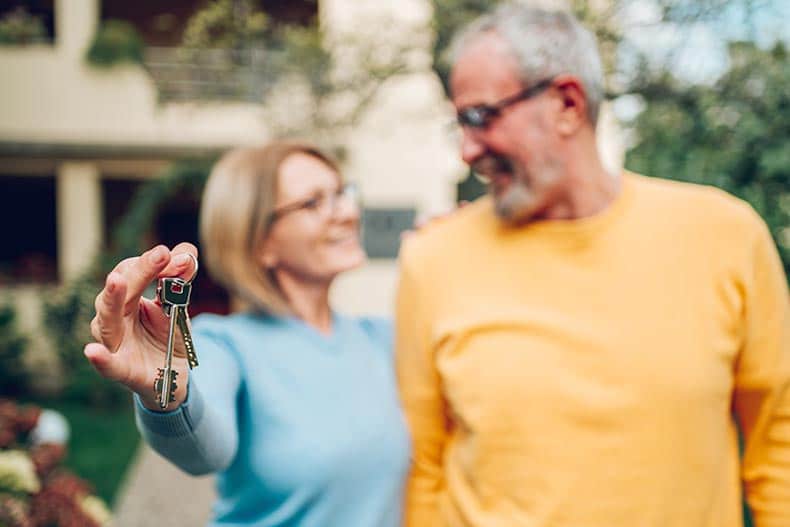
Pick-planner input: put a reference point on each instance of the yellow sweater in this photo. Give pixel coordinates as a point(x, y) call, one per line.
point(584, 373)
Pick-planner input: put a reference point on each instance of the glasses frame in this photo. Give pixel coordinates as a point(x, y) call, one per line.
point(345, 191)
point(480, 116)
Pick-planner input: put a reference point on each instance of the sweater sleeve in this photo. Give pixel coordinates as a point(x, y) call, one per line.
point(762, 385)
point(421, 397)
point(201, 435)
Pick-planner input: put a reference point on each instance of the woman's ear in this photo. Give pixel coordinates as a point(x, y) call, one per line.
point(266, 255)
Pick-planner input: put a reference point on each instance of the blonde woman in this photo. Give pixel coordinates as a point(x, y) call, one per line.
point(294, 405)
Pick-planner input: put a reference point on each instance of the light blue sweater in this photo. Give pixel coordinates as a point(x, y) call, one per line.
point(303, 429)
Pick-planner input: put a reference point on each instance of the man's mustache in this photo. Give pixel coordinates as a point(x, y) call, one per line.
point(491, 164)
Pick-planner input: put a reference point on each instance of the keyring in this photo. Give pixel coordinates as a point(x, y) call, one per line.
point(194, 259)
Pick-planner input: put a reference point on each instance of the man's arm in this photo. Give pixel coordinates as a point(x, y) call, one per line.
point(762, 386)
point(420, 389)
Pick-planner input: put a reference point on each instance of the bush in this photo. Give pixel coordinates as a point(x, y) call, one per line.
point(13, 374)
point(67, 316)
point(35, 490)
point(116, 42)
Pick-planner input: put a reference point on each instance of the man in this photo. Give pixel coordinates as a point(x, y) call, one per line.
point(579, 349)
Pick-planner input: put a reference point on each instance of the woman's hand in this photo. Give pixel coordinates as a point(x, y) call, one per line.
point(131, 331)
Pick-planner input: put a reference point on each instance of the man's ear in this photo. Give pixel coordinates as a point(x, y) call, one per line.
point(573, 112)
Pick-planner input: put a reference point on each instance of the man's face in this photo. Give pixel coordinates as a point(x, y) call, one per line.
point(518, 151)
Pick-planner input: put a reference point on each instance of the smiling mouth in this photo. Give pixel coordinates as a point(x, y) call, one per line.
point(344, 238)
point(493, 166)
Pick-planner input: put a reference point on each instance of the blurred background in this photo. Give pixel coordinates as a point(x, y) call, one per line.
point(112, 112)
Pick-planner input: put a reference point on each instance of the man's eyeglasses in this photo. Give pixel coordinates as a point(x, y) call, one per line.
point(482, 115)
point(323, 204)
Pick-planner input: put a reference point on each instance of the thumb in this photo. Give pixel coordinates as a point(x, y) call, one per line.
point(108, 364)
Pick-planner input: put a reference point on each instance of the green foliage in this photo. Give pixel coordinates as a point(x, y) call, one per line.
point(229, 24)
point(67, 315)
point(734, 134)
point(19, 27)
point(13, 375)
point(116, 42)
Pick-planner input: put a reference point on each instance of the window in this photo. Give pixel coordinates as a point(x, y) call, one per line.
point(117, 194)
point(27, 22)
point(28, 253)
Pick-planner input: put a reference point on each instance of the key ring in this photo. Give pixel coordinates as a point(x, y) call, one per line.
point(194, 274)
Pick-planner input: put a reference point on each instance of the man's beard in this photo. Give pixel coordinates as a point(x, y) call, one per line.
point(518, 201)
point(516, 204)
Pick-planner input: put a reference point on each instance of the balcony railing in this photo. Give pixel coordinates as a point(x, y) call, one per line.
point(213, 74)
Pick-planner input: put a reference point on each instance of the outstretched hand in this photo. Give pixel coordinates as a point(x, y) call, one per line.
point(131, 331)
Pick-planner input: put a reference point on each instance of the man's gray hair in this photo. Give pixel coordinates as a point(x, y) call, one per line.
point(545, 43)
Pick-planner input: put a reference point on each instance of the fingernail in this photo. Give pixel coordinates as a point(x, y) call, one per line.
point(182, 259)
point(157, 255)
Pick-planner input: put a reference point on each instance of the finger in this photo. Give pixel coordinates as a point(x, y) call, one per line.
point(108, 327)
point(95, 332)
point(106, 363)
point(140, 273)
point(126, 264)
point(153, 317)
point(181, 263)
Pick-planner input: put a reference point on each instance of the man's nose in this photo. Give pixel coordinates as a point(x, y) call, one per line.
point(471, 146)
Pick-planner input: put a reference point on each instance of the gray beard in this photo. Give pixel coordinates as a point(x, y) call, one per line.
point(516, 204)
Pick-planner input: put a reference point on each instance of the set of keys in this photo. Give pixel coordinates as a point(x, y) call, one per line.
point(173, 294)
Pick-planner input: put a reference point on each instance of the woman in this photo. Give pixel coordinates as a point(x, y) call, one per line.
point(293, 405)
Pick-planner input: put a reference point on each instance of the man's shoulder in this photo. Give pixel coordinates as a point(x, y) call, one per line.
point(692, 202)
point(444, 237)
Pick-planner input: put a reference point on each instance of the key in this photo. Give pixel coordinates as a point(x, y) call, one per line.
point(183, 324)
point(173, 294)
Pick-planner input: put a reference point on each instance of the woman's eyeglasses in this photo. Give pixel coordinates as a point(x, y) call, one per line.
point(322, 203)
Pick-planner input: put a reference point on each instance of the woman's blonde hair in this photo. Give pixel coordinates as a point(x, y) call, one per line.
point(235, 218)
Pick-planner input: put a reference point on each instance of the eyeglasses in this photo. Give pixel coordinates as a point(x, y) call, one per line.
point(323, 203)
point(482, 115)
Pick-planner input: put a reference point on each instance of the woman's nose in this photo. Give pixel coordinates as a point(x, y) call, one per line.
point(345, 208)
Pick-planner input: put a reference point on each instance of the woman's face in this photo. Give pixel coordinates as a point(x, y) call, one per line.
point(315, 230)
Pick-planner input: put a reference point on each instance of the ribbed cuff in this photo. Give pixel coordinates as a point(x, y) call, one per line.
point(175, 423)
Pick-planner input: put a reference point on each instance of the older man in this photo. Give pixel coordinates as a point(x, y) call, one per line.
point(579, 349)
